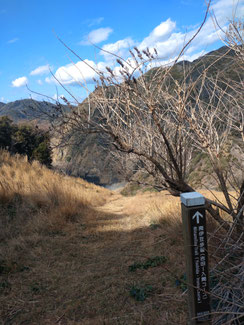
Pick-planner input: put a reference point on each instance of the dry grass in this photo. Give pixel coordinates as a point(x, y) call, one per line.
point(66, 248)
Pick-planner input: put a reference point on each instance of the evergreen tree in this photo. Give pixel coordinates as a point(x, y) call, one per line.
point(6, 131)
point(25, 140)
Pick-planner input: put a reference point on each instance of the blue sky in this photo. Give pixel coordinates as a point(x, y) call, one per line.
point(29, 47)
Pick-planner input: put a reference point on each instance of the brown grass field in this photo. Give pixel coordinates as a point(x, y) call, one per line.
point(75, 253)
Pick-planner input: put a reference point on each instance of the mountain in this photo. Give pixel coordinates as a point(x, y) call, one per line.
point(91, 158)
point(86, 158)
point(217, 62)
point(28, 110)
point(2, 104)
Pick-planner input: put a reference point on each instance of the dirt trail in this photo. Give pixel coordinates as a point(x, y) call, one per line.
point(81, 274)
point(132, 212)
point(115, 205)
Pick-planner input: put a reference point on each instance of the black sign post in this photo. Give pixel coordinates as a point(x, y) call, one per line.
point(195, 237)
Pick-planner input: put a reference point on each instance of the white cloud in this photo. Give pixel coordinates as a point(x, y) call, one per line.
point(57, 97)
point(14, 40)
point(1, 99)
point(97, 36)
point(171, 60)
point(159, 34)
point(120, 48)
point(19, 82)
point(43, 69)
point(50, 80)
point(81, 72)
point(117, 46)
point(95, 21)
point(169, 43)
point(224, 11)
point(194, 56)
point(227, 9)
point(166, 37)
point(39, 82)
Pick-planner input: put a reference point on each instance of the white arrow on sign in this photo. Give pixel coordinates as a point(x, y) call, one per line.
point(197, 215)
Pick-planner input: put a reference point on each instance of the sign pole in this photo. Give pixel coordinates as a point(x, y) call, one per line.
point(197, 274)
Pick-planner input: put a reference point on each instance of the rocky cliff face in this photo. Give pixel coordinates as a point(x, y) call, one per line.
point(92, 160)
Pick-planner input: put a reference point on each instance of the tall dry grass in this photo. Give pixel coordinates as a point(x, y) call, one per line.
point(34, 197)
point(226, 264)
point(67, 248)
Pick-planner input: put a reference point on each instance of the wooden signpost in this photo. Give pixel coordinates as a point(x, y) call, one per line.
point(197, 275)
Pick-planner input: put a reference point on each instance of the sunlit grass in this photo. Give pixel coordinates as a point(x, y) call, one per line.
point(67, 247)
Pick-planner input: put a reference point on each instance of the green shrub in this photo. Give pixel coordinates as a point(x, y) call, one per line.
point(25, 140)
point(140, 293)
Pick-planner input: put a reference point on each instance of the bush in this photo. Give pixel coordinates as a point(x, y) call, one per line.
point(25, 140)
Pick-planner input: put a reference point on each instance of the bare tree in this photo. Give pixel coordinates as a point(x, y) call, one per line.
point(158, 123)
